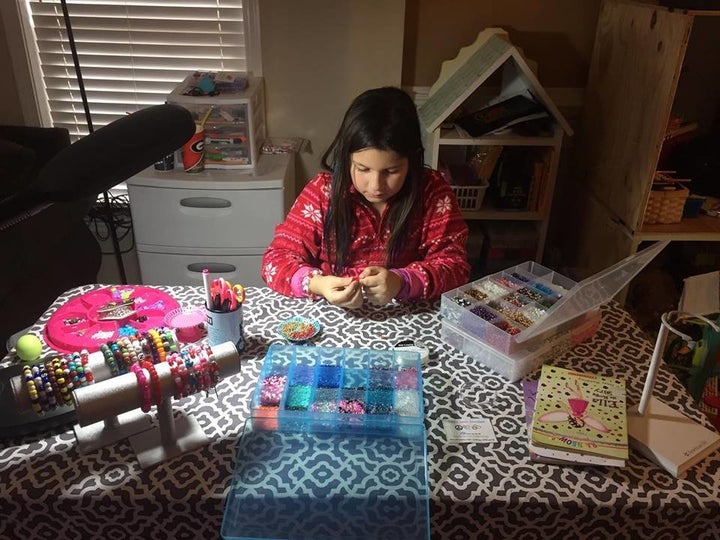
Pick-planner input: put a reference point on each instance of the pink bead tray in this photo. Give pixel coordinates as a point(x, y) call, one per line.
point(77, 325)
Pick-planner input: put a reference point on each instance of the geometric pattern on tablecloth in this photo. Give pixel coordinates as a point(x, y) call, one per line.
point(476, 490)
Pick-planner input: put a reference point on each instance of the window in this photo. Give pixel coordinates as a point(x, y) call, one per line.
point(132, 53)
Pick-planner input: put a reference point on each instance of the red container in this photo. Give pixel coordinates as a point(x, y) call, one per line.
point(193, 151)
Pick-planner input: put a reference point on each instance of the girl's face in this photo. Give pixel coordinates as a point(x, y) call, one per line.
point(378, 175)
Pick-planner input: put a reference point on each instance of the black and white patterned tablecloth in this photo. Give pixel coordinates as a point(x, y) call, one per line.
point(50, 490)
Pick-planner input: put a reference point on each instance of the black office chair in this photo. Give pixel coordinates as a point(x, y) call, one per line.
point(46, 246)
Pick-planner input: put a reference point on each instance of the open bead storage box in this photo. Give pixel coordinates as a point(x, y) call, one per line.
point(515, 320)
point(498, 309)
point(335, 448)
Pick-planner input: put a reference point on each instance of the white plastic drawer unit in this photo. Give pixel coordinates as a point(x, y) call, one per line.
point(210, 218)
point(211, 209)
point(186, 269)
point(222, 220)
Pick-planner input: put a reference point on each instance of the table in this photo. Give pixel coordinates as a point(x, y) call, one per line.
point(477, 490)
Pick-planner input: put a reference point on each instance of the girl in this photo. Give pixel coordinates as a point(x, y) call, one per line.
point(380, 226)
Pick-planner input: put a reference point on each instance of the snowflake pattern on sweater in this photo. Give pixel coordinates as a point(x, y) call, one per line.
point(433, 255)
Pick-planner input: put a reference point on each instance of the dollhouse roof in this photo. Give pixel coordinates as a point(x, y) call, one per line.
point(474, 64)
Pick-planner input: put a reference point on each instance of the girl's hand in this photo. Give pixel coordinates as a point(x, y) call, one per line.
point(343, 292)
point(380, 284)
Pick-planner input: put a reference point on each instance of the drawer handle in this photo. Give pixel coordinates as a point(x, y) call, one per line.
point(205, 202)
point(215, 268)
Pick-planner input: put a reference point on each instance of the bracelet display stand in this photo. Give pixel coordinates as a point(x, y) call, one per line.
point(109, 411)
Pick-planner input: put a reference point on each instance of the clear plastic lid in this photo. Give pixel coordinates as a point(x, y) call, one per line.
point(593, 291)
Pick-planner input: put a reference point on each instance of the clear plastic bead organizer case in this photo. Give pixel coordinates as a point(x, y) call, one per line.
point(530, 303)
point(498, 309)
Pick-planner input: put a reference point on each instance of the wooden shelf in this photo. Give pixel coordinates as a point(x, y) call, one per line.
point(489, 213)
point(700, 229)
point(451, 137)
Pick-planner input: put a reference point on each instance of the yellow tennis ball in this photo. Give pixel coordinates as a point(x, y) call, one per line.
point(28, 347)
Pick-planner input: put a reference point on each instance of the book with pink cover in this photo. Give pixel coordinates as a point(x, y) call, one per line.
point(580, 413)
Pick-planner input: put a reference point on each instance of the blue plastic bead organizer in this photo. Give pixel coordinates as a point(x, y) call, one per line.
point(335, 448)
point(338, 389)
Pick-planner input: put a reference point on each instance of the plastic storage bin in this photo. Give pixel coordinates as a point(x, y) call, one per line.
point(235, 128)
point(528, 307)
point(527, 359)
point(335, 448)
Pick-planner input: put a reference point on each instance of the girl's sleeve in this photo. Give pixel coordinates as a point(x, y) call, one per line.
point(443, 263)
point(297, 242)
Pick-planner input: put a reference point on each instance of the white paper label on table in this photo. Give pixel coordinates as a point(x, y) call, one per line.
point(465, 430)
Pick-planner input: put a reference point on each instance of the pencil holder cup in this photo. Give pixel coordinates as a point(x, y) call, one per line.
point(223, 326)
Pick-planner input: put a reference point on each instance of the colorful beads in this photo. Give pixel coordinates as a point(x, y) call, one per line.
point(381, 378)
point(483, 313)
point(143, 387)
point(51, 383)
point(328, 376)
point(520, 277)
point(303, 375)
point(406, 379)
point(351, 406)
point(477, 294)
point(271, 390)
point(407, 403)
point(298, 398)
point(490, 288)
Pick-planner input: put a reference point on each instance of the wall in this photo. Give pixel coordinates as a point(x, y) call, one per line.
point(557, 34)
point(317, 55)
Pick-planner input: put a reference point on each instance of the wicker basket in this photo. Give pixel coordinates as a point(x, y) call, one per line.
point(666, 205)
point(470, 198)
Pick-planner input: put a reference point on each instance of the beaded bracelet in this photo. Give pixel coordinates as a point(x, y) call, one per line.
point(32, 390)
point(154, 382)
point(85, 361)
point(143, 386)
point(51, 401)
point(51, 366)
point(110, 360)
point(213, 368)
point(64, 382)
point(184, 375)
point(305, 284)
point(172, 361)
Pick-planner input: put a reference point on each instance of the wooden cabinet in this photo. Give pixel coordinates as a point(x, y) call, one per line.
point(649, 64)
point(222, 220)
point(489, 71)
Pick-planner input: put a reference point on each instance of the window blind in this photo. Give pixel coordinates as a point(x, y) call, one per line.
point(132, 53)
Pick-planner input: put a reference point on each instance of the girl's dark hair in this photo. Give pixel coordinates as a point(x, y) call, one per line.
point(383, 119)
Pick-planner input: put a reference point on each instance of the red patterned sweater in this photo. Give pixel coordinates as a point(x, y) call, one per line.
point(433, 257)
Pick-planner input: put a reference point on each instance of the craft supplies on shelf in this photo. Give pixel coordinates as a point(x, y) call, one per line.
point(666, 201)
point(233, 121)
point(470, 198)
